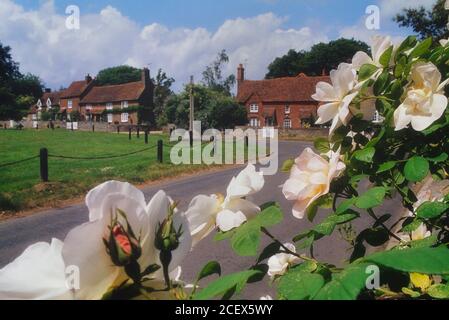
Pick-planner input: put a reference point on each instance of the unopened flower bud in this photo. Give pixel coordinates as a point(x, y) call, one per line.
point(122, 245)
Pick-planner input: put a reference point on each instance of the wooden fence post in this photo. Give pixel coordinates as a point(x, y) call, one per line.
point(138, 132)
point(146, 136)
point(44, 164)
point(93, 128)
point(118, 129)
point(191, 138)
point(160, 150)
point(129, 133)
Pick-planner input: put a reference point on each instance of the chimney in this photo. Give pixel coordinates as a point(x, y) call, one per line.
point(146, 76)
point(47, 90)
point(88, 79)
point(240, 74)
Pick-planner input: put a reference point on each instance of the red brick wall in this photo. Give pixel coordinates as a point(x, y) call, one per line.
point(75, 104)
point(298, 111)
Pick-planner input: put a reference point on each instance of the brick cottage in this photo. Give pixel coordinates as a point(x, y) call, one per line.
point(128, 103)
point(282, 102)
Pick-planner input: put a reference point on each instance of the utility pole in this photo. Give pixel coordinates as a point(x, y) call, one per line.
point(192, 106)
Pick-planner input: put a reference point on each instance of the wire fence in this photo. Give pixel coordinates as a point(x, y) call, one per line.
point(8, 164)
point(102, 157)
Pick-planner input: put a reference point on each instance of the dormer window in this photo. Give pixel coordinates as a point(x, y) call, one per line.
point(287, 109)
point(253, 108)
point(124, 104)
point(48, 103)
point(39, 104)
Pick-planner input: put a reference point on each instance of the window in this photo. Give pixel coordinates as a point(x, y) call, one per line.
point(254, 122)
point(109, 106)
point(70, 104)
point(254, 108)
point(287, 123)
point(39, 104)
point(49, 103)
point(287, 109)
point(124, 104)
point(125, 117)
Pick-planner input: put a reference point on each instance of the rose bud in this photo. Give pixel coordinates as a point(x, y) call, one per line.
point(122, 245)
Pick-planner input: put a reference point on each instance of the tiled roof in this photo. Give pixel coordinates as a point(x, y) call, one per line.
point(122, 92)
point(75, 89)
point(288, 89)
point(54, 97)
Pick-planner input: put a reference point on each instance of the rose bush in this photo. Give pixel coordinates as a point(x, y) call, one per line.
point(130, 249)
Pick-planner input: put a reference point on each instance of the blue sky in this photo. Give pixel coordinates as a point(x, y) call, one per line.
point(180, 36)
point(210, 14)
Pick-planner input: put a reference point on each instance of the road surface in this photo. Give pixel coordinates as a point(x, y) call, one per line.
point(16, 235)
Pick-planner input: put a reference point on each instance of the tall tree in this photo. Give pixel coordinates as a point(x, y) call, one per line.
point(213, 75)
point(17, 92)
point(118, 75)
point(162, 91)
point(426, 23)
point(321, 57)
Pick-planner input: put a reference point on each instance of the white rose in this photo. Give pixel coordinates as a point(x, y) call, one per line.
point(207, 212)
point(310, 179)
point(279, 263)
point(336, 96)
point(424, 101)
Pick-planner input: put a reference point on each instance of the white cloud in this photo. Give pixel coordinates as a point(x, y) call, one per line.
point(389, 8)
point(43, 45)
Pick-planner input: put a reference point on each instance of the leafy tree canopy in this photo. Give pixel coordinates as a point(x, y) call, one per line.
point(213, 108)
point(17, 91)
point(426, 23)
point(118, 75)
point(213, 77)
point(321, 57)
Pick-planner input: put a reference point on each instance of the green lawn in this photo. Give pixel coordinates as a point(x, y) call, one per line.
point(20, 185)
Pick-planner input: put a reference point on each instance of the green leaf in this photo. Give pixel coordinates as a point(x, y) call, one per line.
point(411, 293)
point(268, 217)
point(220, 236)
point(212, 267)
point(386, 166)
point(381, 83)
point(287, 165)
point(425, 260)
point(246, 240)
point(322, 145)
point(345, 285)
point(421, 48)
point(386, 57)
point(411, 225)
point(416, 169)
point(297, 285)
point(441, 158)
point(426, 242)
point(407, 44)
point(328, 225)
point(372, 198)
point(430, 210)
point(224, 284)
point(345, 205)
point(366, 71)
point(400, 67)
point(439, 291)
point(365, 155)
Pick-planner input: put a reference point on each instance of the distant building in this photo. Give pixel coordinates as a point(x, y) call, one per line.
point(48, 102)
point(128, 103)
point(281, 103)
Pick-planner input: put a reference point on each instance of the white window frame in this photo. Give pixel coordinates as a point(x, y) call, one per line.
point(254, 122)
point(124, 104)
point(48, 103)
point(287, 123)
point(69, 104)
point(110, 106)
point(254, 108)
point(39, 104)
point(124, 117)
point(287, 109)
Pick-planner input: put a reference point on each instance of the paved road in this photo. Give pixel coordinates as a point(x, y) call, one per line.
point(16, 235)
